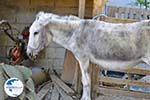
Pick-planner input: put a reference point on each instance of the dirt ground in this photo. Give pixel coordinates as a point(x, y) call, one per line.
point(118, 98)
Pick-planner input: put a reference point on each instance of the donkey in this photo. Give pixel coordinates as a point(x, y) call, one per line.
point(111, 46)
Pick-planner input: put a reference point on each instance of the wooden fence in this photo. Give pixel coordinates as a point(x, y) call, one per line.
point(128, 13)
point(112, 86)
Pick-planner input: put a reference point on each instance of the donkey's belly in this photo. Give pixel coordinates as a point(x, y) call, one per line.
point(114, 64)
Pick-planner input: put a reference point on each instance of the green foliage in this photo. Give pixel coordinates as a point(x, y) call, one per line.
point(144, 3)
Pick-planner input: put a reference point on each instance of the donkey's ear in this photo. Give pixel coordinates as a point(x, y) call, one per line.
point(39, 14)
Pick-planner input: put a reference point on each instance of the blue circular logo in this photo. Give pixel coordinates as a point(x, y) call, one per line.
point(13, 87)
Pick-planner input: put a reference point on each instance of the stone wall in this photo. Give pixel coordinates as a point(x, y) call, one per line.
point(21, 13)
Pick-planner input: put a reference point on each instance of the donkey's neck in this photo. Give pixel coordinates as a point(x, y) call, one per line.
point(62, 30)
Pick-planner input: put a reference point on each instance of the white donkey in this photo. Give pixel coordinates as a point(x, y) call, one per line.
point(112, 46)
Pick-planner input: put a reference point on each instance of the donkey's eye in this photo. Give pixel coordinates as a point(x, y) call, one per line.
point(35, 33)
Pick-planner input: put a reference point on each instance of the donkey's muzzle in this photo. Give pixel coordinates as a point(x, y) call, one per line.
point(30, 54)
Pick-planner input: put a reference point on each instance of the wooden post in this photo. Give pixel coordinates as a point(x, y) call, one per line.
point(98, 6)
point(81, 8)
point(69, 68)
point(94, 72)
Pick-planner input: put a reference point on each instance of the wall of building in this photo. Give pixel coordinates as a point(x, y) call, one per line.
point(21, 13)
point(128, 13)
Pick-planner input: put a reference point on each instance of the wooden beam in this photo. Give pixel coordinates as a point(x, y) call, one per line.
point(94, 73)
point(69, 68)
point(61, 84)
point(134, 71)
point(97, 6)
point(81, 11)
point(110, 91)
point(62, 93)
point(138, 71)
point(123, 81)
point(55, 94)
point(41, 94)
point(117, 20)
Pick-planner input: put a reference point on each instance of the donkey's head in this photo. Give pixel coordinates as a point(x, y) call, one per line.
point(39, 36)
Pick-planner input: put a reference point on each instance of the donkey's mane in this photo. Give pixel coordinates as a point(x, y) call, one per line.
point(44, 18)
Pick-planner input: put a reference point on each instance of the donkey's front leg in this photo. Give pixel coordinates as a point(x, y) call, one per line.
point(84, 64)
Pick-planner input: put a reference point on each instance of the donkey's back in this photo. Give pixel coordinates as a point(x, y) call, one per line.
point(110, 44)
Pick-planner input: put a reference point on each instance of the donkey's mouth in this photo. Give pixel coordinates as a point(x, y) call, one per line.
point(33, 58)
point(31, 55)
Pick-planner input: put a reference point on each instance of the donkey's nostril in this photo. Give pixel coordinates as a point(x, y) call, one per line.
point(30, 54)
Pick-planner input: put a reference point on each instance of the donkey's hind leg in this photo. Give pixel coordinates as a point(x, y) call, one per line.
point(84, 64)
